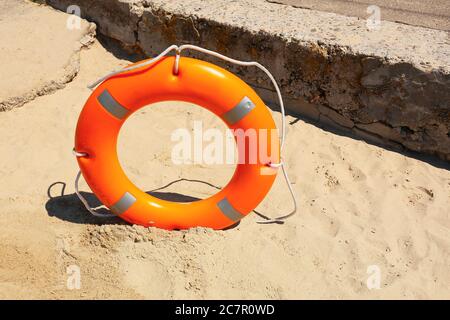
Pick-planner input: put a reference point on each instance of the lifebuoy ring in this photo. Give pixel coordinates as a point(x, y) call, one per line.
point(198, 82)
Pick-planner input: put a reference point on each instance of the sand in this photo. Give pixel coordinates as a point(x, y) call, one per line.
point(359, 206)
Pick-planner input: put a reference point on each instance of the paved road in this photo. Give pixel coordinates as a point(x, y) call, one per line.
point(433, 14)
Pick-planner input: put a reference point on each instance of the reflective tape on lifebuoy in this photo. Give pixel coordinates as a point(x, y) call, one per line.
point(197, 82)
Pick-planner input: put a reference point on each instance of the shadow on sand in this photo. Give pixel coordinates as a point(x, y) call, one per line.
point(69, 208)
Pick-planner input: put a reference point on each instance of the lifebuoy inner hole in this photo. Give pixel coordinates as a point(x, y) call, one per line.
point(177, 151)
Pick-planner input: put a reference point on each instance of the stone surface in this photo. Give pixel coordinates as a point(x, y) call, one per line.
point(430, 14)
point(33, 63)
point(398, 76)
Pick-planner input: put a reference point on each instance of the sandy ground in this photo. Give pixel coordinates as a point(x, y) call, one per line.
point(360, 206)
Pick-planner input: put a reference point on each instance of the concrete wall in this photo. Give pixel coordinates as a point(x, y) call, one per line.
point(389, 86)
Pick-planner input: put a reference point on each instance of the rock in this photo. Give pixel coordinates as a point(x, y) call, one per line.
point(334, 117)
point(398, 76)
point(117, 19)
point(32, 63)
point(381, 130)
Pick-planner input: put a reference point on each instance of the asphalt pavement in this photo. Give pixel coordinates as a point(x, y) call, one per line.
point(433, 14)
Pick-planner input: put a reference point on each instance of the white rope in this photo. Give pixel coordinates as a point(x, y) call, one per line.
point(140, 65)
point(247, 64)
point(80, 196)
point(84, 201)
point(178, 50)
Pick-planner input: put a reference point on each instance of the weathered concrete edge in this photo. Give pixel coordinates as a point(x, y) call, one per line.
point(64, 76)
point(381, 99)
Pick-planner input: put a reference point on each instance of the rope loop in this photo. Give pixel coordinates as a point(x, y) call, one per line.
point(79, 154)
point(176, 65)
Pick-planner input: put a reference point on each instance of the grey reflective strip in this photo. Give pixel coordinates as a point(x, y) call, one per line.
point(111, 105)
point(123, 204)
point(239, 111)
point(228, 210)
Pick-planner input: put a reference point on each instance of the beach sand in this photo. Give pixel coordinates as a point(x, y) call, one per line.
point(361, 208)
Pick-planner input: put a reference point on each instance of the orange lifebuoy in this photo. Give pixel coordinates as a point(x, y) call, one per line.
point(196, 82)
